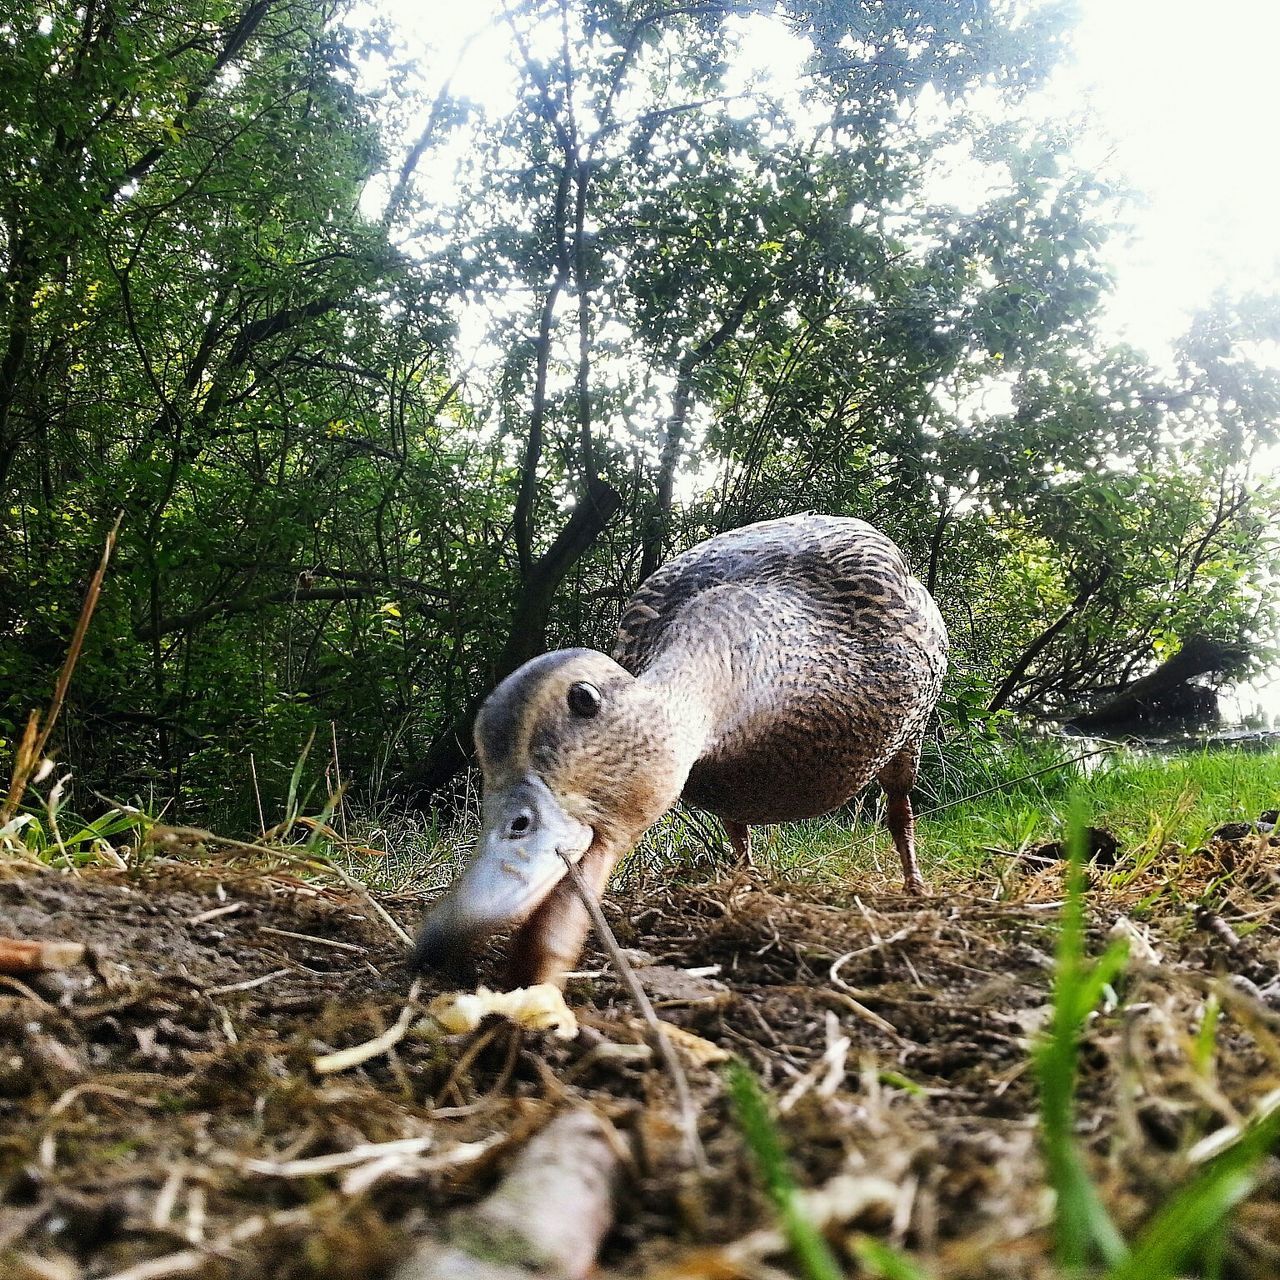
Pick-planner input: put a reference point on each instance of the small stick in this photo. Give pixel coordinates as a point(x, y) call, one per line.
point(214, 913)
point(1213, 923)
point(856, 1007)
point(688, 1116)
point(257, 794)
point(335, 1161)
point(249, 984)
point(311, 937)
point(38, 730)
point(18, 956)
point(187, 1260)
point(345, 1059)
point(547, 1216)
point(337, 782)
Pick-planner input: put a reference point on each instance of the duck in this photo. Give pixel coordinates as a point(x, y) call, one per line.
point(766, 675)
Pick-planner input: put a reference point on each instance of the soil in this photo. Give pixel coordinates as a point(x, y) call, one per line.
point(158, 1103)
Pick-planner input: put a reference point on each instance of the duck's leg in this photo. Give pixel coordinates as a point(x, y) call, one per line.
point(902, 825)
point(549, 942)
point(740, 840)
point(897, 778)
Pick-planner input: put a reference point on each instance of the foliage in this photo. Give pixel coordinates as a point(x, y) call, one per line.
point(371, 458)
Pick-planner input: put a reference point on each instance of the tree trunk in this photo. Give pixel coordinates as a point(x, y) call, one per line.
point(655, 530)
point(451, 751)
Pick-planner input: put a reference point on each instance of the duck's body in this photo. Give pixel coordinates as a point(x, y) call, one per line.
point(765, 675)
point(826, 653)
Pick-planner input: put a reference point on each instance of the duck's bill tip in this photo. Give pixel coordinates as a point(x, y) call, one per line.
point(507, 880)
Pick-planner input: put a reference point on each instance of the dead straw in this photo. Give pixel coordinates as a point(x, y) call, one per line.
point(36, 735)
point(356, 1054)
point(198, 835)
point(688, 1113)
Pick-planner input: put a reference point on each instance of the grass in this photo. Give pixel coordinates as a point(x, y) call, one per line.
point(812, 1253)
point(1186, 1236)
point(1148, 802)
point(1189, 1225)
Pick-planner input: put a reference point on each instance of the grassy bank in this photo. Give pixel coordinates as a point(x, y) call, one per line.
point(1148, 802)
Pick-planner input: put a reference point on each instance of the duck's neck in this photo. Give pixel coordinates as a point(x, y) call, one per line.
point(697, 682)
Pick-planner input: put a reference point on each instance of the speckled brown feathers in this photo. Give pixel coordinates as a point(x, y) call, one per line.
point(834, 655)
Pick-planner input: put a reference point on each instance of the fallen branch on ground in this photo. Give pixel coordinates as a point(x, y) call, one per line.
point(19, 956)
point(546, 1218)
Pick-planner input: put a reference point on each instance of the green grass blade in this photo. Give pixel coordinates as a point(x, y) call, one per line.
point(880, 1259)
point(1190, 1221)
point(292, 808)
point(1083, 1229)
point(812, 1253)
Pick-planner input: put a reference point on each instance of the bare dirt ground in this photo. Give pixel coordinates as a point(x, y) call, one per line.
point(160, 1113)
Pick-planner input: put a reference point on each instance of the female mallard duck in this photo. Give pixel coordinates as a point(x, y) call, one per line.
point(765, 675)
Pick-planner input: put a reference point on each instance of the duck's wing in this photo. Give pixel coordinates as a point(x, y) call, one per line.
point(823, 557)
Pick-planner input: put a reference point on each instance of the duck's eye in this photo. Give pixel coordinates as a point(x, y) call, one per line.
point(584, 700)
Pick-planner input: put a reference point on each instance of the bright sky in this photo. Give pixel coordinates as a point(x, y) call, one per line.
point(1190, 96)
point(1185, 105)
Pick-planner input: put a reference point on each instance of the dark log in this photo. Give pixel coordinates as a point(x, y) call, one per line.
point(1199, 655)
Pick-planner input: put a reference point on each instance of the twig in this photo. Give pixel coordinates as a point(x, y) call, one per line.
point(860, 1010)
point(1211, 922)
point(334, 1161)
point(1013, 782)
point(188, 1260)
point(355, 886)
point(215, 913)
point(248, 985)
point(257, 794)
point(902, 933)
point(345, 1059)
point(37, 733)
point(20, 956)
point(547, 1217)
point(688, 1115)
point(1220, 1139)
point(337, 781)
point(311, 937)
point(16, 984)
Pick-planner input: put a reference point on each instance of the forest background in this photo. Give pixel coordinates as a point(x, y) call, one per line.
point(395, 390)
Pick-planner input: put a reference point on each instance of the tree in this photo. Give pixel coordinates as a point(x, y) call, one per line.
point(371, 463)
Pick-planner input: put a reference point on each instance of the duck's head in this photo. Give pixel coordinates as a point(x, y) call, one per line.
point(578, 756)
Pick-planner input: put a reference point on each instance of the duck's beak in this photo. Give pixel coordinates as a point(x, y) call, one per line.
point(516, 865)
